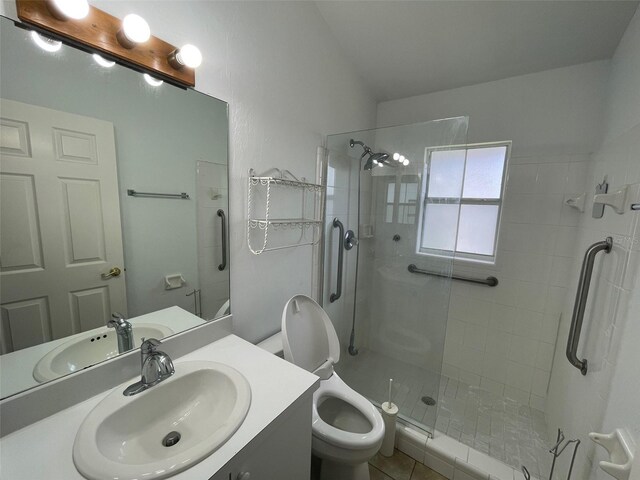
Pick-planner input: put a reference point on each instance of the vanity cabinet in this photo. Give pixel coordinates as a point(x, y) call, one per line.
point(281, 451)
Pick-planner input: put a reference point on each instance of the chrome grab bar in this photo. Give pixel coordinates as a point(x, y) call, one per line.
point(223, 218)
point(179, 196)
point(489, 281)
point(581, 302)
point(338, 224)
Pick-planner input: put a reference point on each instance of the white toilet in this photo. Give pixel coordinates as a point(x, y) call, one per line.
point(347, 428)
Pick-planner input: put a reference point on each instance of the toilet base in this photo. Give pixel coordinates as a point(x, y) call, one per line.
point(330, 470)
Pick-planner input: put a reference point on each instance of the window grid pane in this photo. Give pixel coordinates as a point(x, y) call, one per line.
point(475, 231)
point(483, 172)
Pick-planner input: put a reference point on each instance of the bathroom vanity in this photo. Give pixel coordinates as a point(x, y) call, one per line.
point(273, 441)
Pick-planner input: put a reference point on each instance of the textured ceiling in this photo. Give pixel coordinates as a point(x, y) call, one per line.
point(406, 48)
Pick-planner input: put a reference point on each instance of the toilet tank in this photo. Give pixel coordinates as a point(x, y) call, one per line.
point(273, 344)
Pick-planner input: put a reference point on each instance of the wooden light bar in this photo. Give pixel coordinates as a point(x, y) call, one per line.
point(98, 31)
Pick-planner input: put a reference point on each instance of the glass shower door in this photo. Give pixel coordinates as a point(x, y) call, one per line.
point(390, 314)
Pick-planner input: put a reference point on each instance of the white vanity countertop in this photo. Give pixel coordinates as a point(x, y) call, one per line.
point(43, 450)
point(17, 367)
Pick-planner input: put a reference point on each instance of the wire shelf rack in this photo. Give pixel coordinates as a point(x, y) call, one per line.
point(267, 223)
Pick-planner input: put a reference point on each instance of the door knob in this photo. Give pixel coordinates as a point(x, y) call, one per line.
point(114, 272)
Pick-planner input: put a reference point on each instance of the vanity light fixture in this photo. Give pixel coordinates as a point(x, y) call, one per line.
point(135, 30)
point(185, 56)
point(154, 82)
point(45, 43)
point(103, 62)
point(396, 156)
point(68, 9)
point(128, 41)
point(405, 162)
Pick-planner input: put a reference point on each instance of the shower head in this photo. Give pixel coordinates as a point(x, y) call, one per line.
point(374, 159)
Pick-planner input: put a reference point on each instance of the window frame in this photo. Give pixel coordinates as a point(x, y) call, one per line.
point(424, 200)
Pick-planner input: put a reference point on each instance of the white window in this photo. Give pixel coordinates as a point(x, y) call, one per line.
point(468, 180)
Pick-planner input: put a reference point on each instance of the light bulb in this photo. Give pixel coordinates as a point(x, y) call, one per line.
point(375, 162)
point(188, 56)
point(401, 158)
point(396, 156)
point(405, 162)
point(46, 43)
point(103, 62)
point(64, 9)
point(135, 28)
point(154, 82)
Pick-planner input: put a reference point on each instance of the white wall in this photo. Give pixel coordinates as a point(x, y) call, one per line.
point(503, 338)
point(288, 85)
point(608, 397)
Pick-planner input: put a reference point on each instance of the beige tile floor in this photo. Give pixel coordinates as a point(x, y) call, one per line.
point(400, 467)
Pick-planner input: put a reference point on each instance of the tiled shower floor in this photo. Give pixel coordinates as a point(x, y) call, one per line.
point(500, 427)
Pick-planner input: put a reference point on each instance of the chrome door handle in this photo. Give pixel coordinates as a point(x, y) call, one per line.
point(223, 218)
point(338, 224)
point(114, 272)
point(581, 302)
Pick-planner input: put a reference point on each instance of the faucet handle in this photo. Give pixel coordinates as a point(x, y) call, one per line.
point(149, 345)
point(117, 319)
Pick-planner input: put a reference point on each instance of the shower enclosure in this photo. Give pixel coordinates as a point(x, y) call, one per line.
point(391, 319)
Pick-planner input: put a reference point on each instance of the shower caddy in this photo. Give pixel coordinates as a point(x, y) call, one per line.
point(277, 178)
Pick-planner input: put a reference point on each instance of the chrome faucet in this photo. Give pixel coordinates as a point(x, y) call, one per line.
point(156, 367)
point(124, 331)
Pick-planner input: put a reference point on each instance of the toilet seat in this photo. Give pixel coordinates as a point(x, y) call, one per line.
point(310, 342)
point(335, 387)
point(308, 337)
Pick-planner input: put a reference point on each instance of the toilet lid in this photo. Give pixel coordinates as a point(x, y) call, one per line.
point(308, 336)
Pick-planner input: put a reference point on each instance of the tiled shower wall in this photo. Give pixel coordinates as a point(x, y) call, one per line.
point(608, 396)
point(503, 338)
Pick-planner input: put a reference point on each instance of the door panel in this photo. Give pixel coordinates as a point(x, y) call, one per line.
point(84, 227)
point(24, 324)
point(21, 247)
point(75, 146)
point(90, 308)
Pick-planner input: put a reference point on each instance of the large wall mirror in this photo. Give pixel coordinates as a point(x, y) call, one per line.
point(77, 136)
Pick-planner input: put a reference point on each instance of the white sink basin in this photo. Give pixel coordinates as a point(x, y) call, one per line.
point(122, 437)
point(91, 348)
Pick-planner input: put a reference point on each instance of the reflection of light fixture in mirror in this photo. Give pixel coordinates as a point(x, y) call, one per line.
point(65, 9)
point(46, 43)
point(103, 62)
point(154, 82)
point(405, 162)
point(396, 156)
point(186, 56)
point(135, 29)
